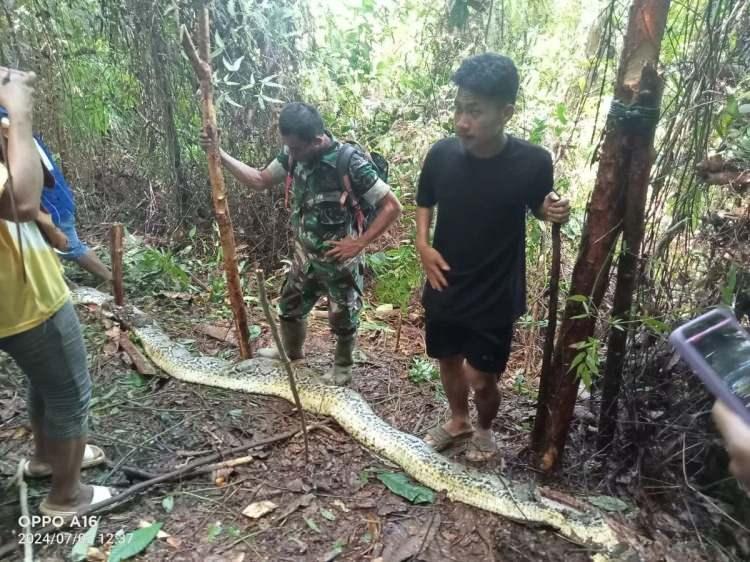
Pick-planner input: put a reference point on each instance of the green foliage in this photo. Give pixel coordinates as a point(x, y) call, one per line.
point(586, 361)
point(155, 269)
point(727, 293)
point(423, 370)
point(87, 540)
point(399, 483)
point(134, 543)
point(398, 272)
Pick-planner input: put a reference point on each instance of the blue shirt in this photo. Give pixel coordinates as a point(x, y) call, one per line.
point(57, 200)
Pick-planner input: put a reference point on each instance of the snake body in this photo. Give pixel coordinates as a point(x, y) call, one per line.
point(460, 483)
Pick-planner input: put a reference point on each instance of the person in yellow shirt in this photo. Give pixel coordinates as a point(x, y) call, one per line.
point(38, 327)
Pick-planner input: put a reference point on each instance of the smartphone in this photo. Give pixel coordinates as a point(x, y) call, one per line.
point(717, 348)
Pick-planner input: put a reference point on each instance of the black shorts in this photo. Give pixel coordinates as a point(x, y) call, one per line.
point(486, 350)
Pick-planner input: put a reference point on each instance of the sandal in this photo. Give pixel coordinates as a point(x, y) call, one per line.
point(92, 456)
point(439, 439)
point(100, 494)
point(482, 447)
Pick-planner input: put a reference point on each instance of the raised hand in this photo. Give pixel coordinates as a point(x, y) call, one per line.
point(16, 90)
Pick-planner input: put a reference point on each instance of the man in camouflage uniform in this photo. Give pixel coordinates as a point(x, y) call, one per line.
point(328, 244)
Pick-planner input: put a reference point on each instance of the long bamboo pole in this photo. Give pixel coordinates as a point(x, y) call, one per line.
point(202, 66)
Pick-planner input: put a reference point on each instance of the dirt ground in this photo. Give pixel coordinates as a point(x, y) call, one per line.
point(333, 508)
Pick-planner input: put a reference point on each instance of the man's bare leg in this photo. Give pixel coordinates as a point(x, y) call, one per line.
point(457, 391)
point(487, 401)
point(65, 458)
point(91, 263)
point(41, 455)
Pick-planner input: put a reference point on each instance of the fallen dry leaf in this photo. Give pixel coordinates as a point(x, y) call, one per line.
point(259, 509)
point(341, 506)
point(221, 476)
point(94, 555)
point(110, 348)
point(160, 535)
point(406, 540)
point(294, 505)
point(174, 542)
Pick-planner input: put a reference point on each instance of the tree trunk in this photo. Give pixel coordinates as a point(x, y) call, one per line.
point(639, 172)
point(161, 63)
point(202, 67)
point(605, 212)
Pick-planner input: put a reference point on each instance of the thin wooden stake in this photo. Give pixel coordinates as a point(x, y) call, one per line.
point(554, 292)
point(282, 353)
point(398, 330)
point(200, 60)
point(115, 249)
point(23, 495)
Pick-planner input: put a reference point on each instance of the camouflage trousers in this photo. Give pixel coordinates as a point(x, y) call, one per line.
point(309, 279)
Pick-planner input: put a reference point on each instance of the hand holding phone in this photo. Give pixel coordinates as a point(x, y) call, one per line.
point(717, 348)
point(736, 435)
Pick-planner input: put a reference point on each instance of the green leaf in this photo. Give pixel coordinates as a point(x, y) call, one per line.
point(728, 291)
point(327, 514)
point(336, 549)
point(578, 298)
point(214, 531)
point(254, 331)
point(608, 503)
point(168, 504)
point(133, 543)
point(364, 476)
point(134, 379)
point(271, 100)
point(312, 524)
point(560, 111)
point(81, 548)
point(230, 101)
point(399, 483)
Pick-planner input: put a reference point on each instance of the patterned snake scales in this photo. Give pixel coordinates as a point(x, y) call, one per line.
point(462, 484)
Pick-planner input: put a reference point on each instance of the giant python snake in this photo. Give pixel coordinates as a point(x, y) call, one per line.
point(490, 492)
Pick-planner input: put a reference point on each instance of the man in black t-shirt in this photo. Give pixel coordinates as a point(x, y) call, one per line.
point(482, 182)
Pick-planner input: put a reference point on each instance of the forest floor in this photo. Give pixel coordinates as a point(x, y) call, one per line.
point(333, 508)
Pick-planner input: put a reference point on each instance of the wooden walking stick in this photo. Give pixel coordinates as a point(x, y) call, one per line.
point(554, 291)
point(202, 66)
point(115, 248)
point(545, 380)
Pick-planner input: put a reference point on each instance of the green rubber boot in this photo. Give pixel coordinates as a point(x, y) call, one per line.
point(341, 373)
point(293, 334)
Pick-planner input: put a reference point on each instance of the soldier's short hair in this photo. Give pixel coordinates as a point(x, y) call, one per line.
point(301, 120)
point(489, 74)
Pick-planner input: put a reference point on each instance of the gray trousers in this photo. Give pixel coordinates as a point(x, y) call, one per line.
point(53, 357)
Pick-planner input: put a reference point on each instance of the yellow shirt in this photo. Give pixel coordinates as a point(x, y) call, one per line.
point(25, 305)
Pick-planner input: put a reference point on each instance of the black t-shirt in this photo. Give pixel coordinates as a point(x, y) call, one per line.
point(481, 228)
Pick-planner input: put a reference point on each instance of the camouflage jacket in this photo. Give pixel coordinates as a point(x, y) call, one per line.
point(317, 212)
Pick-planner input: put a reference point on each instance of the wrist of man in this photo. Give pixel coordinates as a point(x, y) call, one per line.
point(422, 245)
point(20, 118)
